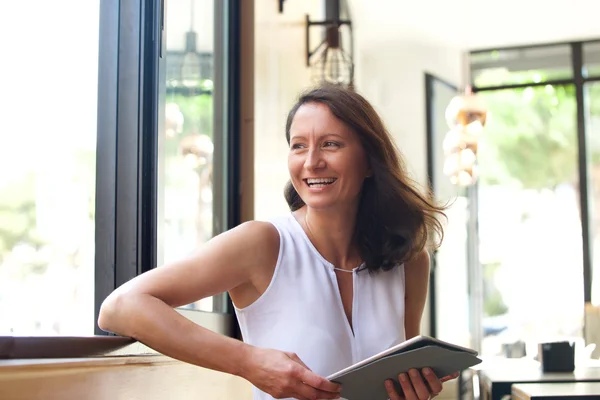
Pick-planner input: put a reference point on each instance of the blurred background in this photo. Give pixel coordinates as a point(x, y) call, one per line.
point(495, 106)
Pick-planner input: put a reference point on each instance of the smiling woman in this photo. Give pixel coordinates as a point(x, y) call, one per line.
point(327, 162)
point(332, 128)
point(341, 277)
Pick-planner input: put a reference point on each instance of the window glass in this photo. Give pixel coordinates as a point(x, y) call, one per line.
point(187, 143)
point(530, 244)
point(593, 141)
point(451, 271)
point(521, 66)
point(47, 159)
point(591, 59)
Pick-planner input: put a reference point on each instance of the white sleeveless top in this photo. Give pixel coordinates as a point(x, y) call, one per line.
point(301, 310)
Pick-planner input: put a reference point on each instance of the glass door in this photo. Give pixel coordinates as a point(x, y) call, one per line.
point(194, 138)
point(530, 235)
point(449, 296)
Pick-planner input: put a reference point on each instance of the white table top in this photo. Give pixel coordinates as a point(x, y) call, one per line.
point(528, 390)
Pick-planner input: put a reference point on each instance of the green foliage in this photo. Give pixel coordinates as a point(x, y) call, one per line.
point(197, 111)
point(18, 216)
point(493, 303)
point(531, 137)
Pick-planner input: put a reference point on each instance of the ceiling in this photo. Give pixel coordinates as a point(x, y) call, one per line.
point(479, 24)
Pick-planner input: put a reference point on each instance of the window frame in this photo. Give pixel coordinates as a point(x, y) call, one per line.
point(128, 71)
point(131, 99)
point(130, 113)
point(430, 81)
point(578, 81)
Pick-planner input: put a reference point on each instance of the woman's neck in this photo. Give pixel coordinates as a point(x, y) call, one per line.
point(332, 233)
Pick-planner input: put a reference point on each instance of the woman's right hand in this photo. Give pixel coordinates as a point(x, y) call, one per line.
point(284, 375)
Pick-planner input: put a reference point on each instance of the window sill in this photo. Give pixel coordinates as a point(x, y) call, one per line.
point(28, 365)
point(43, 347)
point(32, 347)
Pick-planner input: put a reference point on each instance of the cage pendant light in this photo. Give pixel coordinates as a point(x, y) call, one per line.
point(332, 60)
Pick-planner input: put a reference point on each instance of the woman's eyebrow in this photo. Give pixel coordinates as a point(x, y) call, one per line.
point(323, 135)
point(334, 134)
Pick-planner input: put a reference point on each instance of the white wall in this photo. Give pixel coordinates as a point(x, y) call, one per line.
point(391, 60)
point(518, 22)
point(280, 75)
point(390, 67)
point(480, 24)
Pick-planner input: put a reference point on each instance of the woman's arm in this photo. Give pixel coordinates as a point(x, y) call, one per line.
point(416, 273)
point(143, 309)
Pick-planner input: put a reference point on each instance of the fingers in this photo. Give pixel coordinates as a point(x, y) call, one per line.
point(417, 385)
point(320, 384)
point(391, 390)
point(413, 385)
point(295, 357)
point(310, 385)
point(450, 377)
point(303, 391)
point(435, 384)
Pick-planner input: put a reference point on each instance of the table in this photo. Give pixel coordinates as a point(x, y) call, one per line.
point(496, 379)
point(552, 391)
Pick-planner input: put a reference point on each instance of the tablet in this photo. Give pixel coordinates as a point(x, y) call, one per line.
point(365, 379)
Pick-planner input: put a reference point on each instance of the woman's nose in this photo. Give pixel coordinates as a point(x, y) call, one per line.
point(314, 159)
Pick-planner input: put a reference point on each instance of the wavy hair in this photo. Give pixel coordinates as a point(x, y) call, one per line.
point(395, 219)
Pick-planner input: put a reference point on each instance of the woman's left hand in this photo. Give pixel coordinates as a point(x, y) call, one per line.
point(417, 385)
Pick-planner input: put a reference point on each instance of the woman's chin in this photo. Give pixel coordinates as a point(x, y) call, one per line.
point(319, 204)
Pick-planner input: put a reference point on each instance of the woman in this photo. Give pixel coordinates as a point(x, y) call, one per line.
point(342, 277)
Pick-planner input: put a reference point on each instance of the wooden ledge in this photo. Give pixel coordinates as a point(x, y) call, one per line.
point(33, 364)
point(147, 377)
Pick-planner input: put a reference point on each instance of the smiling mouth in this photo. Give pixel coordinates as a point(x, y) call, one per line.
point(319, 182)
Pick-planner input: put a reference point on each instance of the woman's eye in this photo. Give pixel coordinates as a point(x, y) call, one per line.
point(297, 146)
point(329, 144)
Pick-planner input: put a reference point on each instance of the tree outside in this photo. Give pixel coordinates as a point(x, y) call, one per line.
point(530, 227)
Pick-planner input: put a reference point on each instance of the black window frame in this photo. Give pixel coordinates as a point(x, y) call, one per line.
point(471, 249)
point(430, 136)
point(131, 88)
point(128, 68)
point(578, 80)
point(131, 101)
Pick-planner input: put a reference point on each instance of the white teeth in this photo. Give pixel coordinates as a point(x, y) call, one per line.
point(312, 181)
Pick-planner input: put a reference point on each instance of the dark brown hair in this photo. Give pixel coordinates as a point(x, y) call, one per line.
point(395, 220)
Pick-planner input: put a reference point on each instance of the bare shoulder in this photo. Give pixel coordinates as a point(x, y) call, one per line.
point(261, 243)
point(229, 260)
point(257, 239)
point(419, 263)
point(252, 245)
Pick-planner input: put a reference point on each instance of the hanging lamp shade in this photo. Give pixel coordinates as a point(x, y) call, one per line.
point(466, 116)
point(330, 62)
point(467, 111)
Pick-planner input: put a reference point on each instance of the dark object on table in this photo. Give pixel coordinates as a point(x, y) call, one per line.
point(557, 356)
point(514, 350)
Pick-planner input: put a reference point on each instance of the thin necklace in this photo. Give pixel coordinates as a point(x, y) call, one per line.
point(311, 235)
point(343, 270)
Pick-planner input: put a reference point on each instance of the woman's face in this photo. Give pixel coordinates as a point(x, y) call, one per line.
point(327, 162)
